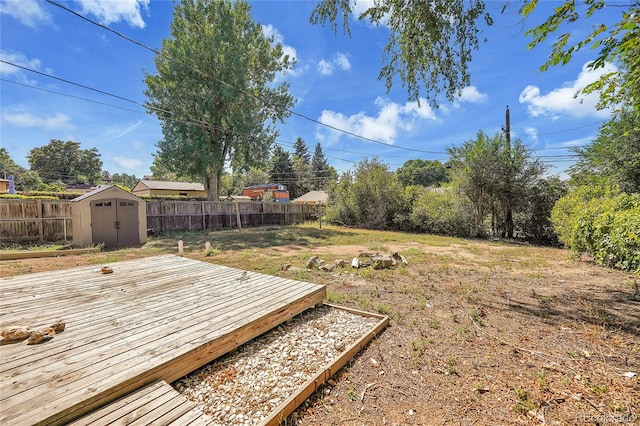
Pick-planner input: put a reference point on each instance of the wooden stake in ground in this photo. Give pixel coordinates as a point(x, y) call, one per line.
point(238, 217)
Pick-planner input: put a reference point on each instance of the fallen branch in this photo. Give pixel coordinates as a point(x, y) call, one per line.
point(367, 386)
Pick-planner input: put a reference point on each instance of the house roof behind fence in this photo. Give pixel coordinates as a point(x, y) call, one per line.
point(317, 196)
point(176, 186)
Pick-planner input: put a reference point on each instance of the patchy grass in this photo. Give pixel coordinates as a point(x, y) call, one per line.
point(482, 332)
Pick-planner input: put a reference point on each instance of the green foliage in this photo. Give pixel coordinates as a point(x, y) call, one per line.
point(422, 172)
point(26, 197)
point(533, 221)
point(430, 43)
point(442, 211)
point(124, 181)
point(302, 170)
point(252, 177)
point(370, 198)
point(496, 176)
point(602, 223)
point(66, 162)
point(282, 169)
point(214, 93)
point(619, 43)
point(322, 173)
point(614, 157)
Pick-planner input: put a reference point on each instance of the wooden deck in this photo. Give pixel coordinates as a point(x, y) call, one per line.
point(152, 319)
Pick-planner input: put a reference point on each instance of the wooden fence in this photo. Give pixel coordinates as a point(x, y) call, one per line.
point(50, 220)
point(46, 220)
point(191, 215)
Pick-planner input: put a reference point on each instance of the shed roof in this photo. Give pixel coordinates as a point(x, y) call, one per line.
point(317, 196)
point(178, 186)
point(95, 191)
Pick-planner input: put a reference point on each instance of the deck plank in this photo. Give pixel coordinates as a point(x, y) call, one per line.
point(151, 319)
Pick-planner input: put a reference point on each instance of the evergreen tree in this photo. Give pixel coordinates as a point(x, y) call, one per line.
point(321, 171)
point(282, 169)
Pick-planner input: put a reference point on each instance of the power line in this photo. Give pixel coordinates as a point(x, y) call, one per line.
point(251, 95)
point(71, 96)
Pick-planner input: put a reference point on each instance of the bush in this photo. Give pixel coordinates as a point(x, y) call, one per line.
point(442, 211)
point(26, 197)
point(533, 218)
point(602, 223)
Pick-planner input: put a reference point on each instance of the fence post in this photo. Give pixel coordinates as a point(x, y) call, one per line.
point(40, 224)
point(204, 218)
point(238, 216)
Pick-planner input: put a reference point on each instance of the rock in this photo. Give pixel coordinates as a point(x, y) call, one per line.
point(16, 333)
point(285, 267)
point(41, 336)
point(327, 268)
point(106, 270)
point(58, 326)
point(312, 262)
point(382, 262)
point(397, 256)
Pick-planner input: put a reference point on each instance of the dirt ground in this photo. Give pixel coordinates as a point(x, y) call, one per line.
point(481, 333)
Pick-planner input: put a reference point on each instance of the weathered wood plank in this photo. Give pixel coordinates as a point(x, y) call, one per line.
point(152, 319)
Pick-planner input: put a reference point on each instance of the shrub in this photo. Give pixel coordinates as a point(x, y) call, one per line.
point(533, 218)
point(442, 211)
point(602, 223)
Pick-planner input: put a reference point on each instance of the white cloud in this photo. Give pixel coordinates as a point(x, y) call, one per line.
point(327, 66)
point(271, 31)
point(28, 12)
point(26, 119)
point(127, 162)
point(532, 132)
point(18, 59)
point(472, 95)
point(563, 100)
point(342, 61)
point(360, 6)
point(384, 127)
point(110, 11)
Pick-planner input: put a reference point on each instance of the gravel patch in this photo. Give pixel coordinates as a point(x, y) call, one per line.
point(244, 387)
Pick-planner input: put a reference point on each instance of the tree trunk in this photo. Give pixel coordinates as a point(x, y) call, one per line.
point(508, 221)
point(212, 184)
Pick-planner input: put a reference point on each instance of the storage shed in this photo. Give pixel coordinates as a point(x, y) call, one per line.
point(109, 216)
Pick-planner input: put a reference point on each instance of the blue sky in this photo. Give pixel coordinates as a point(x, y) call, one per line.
point(335, 82)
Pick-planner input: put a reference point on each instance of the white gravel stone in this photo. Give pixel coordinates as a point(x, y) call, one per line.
point(244, 387)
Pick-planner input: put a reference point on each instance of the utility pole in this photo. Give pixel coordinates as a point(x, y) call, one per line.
point(508, 132)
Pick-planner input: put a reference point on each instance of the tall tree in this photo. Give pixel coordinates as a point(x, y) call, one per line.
point(301, 162)
point(431, 42)
point(494, 178)
point(253, 176)
point(66, 162)
point(614, 156)
point(422, 172)
point(301, 150)
point(282, 169)
point(214, 92)
point(322, 172)
point(124, 179)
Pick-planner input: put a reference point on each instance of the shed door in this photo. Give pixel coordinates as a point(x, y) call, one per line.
point(128, 228)
point(114, 222)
